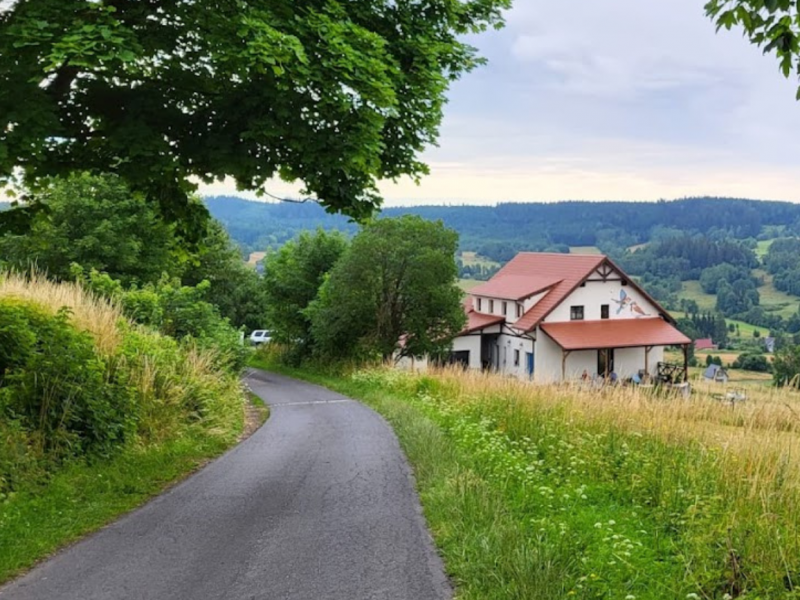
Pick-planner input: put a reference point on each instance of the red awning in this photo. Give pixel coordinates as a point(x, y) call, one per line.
point(616, 333)
point(478, 321)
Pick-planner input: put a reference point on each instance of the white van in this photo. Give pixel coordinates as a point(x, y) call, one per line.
point(260, 336)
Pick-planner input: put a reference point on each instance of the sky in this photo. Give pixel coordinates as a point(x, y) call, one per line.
point(611, 100)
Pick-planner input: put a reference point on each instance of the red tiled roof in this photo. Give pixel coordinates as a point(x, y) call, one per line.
point(704, 344)
point(477, 321)
point(515, 287)
point(616, 333)
point(570, 269)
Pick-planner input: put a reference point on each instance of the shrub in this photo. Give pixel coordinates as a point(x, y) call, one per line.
point(752, 362)
point(56, 384)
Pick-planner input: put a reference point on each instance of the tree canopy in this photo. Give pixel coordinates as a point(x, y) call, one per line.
point(335, 94)
point(397, 281)
point(773, 25)
point(292, 278)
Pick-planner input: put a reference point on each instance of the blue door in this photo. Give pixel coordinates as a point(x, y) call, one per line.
point(529, 356)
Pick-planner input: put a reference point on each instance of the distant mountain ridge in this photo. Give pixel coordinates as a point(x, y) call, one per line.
point(498, 231)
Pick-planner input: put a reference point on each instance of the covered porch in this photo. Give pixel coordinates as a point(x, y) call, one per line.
point(617, 350)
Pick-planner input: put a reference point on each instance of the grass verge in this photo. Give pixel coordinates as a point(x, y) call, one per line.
point(84, 496)
point(543, 493)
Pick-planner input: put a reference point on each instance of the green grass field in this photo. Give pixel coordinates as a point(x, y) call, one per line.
point(472, 259)
point(771, 299)
point(536, 493)
point(584, 250)
point(763, 247)
point(468, 284)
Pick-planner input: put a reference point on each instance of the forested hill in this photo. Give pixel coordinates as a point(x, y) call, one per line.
point(501, 231)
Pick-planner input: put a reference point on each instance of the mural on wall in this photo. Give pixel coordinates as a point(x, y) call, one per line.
point(626, 301)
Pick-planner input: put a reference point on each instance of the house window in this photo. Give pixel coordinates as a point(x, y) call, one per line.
point(491, 306)
point(576, 313)
point(480, 304)
point(604, 311)
point(505, 308)
point(519, 311)
point(516, 358)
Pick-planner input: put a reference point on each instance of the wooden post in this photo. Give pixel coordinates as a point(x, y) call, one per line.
point(685, 363)
point(647, 350)
point(564, 355)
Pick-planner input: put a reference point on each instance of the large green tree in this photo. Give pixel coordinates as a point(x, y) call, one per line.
point(292, 278)
point(336, 94)
point(394, 290)
point(99, 224)
point(235, 288)
point(773, 25)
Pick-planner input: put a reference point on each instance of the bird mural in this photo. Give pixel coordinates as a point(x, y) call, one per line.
point(625, 301)
point(638, 310)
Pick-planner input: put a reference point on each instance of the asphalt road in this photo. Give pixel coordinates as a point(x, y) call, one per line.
point(318, 504)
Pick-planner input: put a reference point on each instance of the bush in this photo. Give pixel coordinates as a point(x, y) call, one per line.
point(80, 382)
point(752, 362)
point(55, 383)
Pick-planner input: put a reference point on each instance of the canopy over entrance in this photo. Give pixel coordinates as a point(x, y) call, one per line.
point(617, 333)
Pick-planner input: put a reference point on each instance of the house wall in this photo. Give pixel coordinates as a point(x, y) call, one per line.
point(471, 343)
point(511, 315)
point(547, 359)
point(597, 293)
point(508, 344)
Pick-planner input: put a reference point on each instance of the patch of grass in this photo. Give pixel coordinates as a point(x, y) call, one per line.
point(557, 492)
point(84, 496)
point(762, 247)
point(468, 284)
point(584, 250)
point(473, 259)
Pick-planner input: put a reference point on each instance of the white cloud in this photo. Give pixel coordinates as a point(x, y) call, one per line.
point(620, 99)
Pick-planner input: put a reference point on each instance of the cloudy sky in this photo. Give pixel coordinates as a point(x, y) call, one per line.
point(619, 99)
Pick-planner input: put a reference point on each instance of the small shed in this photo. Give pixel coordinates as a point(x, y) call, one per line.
point(716, 373)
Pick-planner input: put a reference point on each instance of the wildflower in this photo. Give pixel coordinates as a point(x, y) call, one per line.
point(692, 596)
point(630, 597)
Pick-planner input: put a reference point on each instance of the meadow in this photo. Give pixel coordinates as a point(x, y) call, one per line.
point(563, 492)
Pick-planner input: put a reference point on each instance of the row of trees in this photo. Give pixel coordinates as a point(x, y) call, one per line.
point(392, 289)
point(94, 229)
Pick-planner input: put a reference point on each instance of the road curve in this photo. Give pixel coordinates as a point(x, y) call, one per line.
point(318, 504)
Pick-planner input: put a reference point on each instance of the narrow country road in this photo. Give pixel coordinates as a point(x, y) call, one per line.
point(317, 505)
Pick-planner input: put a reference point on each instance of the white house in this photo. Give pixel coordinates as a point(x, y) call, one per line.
point(553, 317)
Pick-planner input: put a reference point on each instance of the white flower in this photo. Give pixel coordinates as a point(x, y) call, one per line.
point(693, 596)
point(630, 597)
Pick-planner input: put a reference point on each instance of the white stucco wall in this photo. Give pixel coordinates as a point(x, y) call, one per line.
point(597, 293)
point(472, 344)
point(547, 367)
point(508, 344)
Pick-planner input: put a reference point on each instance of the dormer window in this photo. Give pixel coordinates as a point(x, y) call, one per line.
point(519, 311)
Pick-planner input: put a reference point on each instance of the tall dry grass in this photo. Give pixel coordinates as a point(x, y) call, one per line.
point(98, 316)
point(719, 482)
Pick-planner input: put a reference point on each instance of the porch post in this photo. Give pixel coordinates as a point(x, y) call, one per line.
point(564, 355)
point(647, 350)
point(685, 363)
